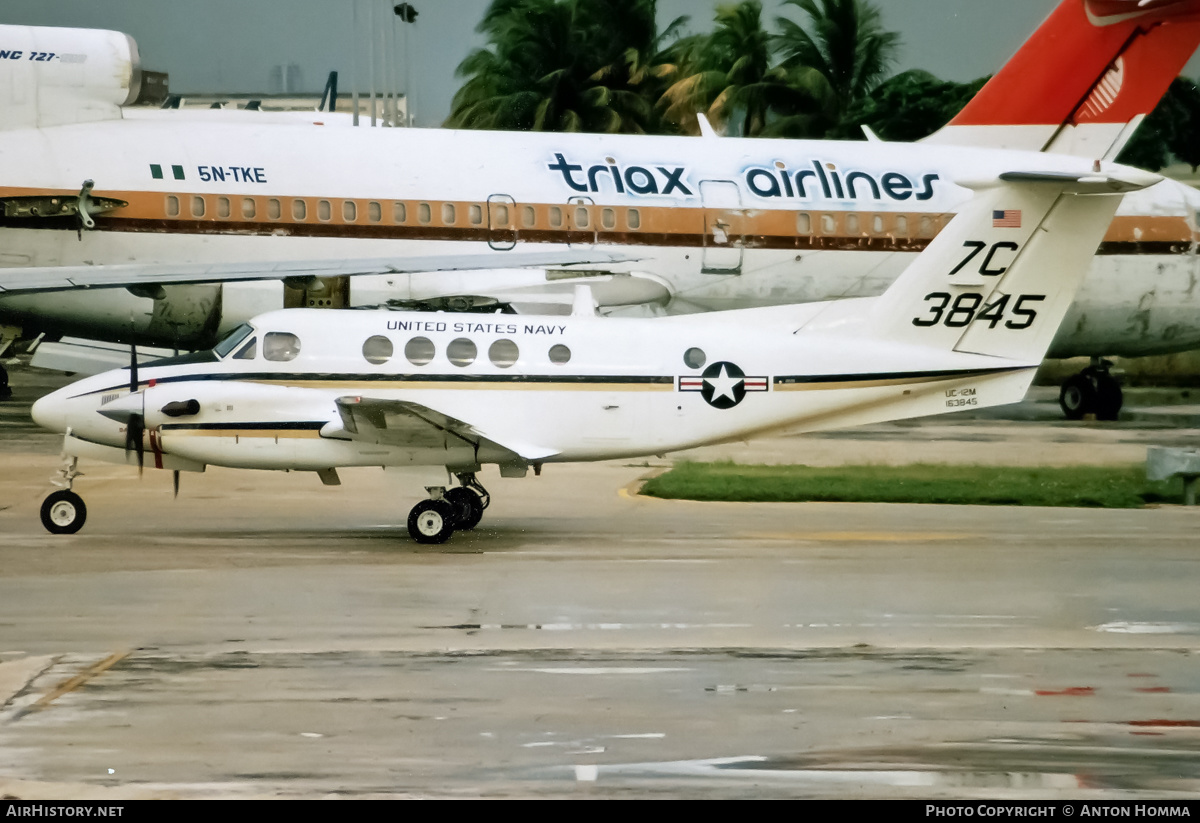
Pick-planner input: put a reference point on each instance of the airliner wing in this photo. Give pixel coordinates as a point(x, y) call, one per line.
point(60, 278)
point(404, 423)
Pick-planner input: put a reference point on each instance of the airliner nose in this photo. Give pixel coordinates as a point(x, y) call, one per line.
point(48, 412)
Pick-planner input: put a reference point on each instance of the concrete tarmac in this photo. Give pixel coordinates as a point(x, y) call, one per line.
point(265, 636)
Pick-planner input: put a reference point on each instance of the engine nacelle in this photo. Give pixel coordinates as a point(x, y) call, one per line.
point(57, 76)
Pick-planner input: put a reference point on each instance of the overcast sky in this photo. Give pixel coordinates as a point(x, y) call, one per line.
point(228, 46)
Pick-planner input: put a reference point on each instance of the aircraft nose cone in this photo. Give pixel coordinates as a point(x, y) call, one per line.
point(48, 412)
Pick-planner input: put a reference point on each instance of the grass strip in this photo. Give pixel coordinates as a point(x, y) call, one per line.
point(1114, 487)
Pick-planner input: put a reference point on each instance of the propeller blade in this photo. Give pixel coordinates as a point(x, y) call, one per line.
point(133, 367)
point(134, 440)
point(175, 481)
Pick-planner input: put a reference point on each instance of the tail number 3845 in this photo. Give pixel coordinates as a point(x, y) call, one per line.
point(956, 312)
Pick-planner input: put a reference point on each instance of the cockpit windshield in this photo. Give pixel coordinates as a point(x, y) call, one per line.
point(229, 342)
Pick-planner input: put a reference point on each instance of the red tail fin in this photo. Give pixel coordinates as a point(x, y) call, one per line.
point(1085, 78)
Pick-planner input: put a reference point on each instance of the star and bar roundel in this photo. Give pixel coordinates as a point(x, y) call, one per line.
point(723, 385)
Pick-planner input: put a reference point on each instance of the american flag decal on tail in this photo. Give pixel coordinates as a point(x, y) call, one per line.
point(1006, 219)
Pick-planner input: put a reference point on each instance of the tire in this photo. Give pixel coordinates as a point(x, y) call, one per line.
point(1109, 397)
point(468, 507)
point(63, 512)
point(1077, 397)
point(431, 521)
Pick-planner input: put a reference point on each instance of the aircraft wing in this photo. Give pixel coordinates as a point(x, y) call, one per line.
point(60, 278)
point(404, 423)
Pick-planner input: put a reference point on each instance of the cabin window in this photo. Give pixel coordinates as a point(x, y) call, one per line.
point(556, 217)
point(299, 209)
point(877, 224)
point(559, 354)
point(503, 353)
point(828, 224)
point(377, 350)
point(803, 222)
point(197, 206)
point(529, 216)
point(281, 346)
point(927, 226)
point(851, 224)
point(902, 224)
point(419, 351)
point(223, 209)
point(500, 213)
point(399, 212)
point(349, 211)
point(633, 218)
point(461, 351)
point(694, 358)
point(172, 206)
point(475, 214)
point(249, 208)
point(274, 212)
point(424, 213)
point(374, 212)
point(608, 218)
point(581, 217)
point(249, 351)
point(448, 214)
point(324, 211)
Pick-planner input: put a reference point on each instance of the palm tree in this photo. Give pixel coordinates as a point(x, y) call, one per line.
point(562, 65)
point(845, 43)
point(730, 76)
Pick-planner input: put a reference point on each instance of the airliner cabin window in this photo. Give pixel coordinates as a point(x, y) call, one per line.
point(222, 207)
point(324, 210)
point(419, 351)
point(197, 206)
point(608, 218)
point(273, 210)
point(374, 212)
point(281, 346)
point(804, 222)
point(633, 218)
point(248, 207)
point(299, 209)
point(377, 350)
point(448, 215)
point(461, 352)
point(694, 358)
point(399, 212)
point(555, 217)
point(559, 354)
point(476, 214)
point(503, 353)
point(349, 211)
point(528, 216)
point(172, 206)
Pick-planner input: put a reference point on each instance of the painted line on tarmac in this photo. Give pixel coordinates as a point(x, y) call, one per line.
point(70, 684)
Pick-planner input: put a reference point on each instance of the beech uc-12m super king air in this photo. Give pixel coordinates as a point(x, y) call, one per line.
point(174, 207)
point(966, 325)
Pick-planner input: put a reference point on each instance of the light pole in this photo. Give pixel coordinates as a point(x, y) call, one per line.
point(407, 14)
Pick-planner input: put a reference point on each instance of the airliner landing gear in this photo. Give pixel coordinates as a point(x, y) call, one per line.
point(435, 519)
point(63, 511)
point(469, 501)
point(431, 521)
point(1093, 391)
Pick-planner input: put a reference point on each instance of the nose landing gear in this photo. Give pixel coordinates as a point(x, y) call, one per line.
point(63, 511)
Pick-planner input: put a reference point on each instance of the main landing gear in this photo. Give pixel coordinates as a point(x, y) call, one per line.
point(1093, 391)
point(63, 511)
point(435, 519)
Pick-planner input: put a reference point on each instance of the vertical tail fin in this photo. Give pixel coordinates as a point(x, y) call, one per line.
point(1000, 277)
point(1084, 80)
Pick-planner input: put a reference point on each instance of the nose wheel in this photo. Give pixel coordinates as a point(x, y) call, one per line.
point(63, 512)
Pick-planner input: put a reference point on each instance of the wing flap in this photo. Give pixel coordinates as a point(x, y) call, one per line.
point(413, 425)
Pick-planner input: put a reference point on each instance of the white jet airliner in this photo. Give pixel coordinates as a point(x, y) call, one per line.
point(966, 325)
point(99, 194)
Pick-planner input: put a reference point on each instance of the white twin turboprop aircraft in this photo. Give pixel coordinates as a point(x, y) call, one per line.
point(966, 324)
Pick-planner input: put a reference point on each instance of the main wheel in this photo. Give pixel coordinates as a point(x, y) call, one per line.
point(1077, 396)
point(1109, 397)
point(468, 507)
point(63, 512)
point(431, 521)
